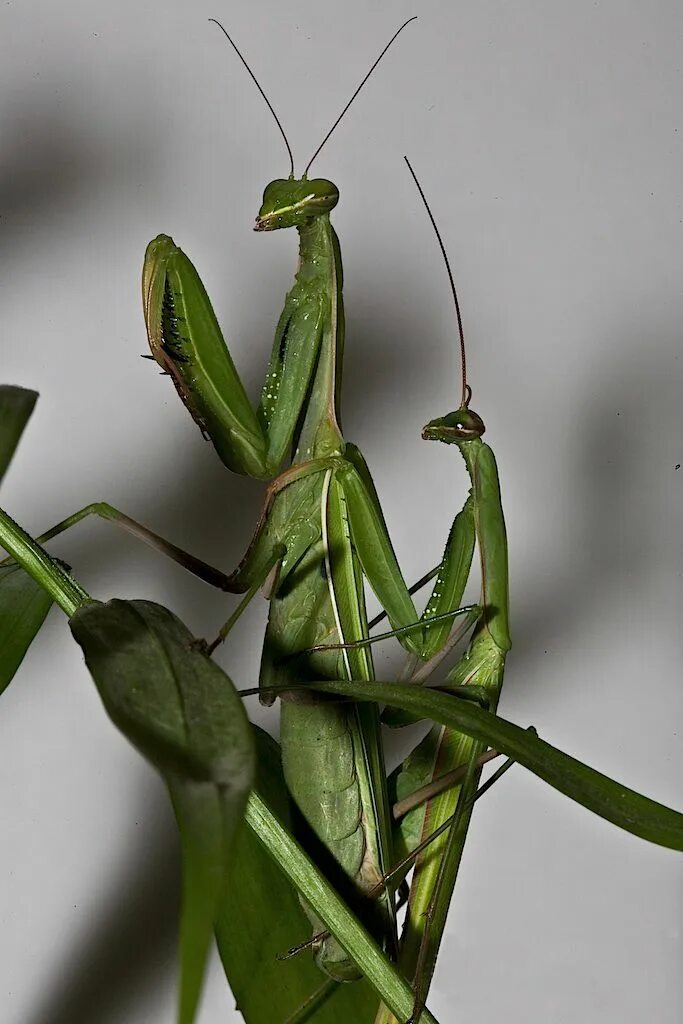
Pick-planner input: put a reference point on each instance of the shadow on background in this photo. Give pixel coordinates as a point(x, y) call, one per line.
point(126, 952)
point(628, 442)
point(50, 166)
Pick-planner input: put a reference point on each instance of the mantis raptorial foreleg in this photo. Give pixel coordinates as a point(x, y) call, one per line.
point(375, 553)
point(187, 342)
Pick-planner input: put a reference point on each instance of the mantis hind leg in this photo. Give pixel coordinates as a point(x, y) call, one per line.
point(208, 573)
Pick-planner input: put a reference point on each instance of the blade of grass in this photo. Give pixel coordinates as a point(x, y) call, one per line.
point(332, 910)
point(622, 806)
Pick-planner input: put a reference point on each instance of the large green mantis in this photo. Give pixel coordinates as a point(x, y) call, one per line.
point(321, 536)
point(439, 808)
point(322, 532)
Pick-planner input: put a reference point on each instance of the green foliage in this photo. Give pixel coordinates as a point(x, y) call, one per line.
point(181, 711)
point(16, 406)
point(609, 799)
point(23, 602)
point(261, 917)
point(23, 607)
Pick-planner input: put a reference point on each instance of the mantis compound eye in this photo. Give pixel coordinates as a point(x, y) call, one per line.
point(461, 425)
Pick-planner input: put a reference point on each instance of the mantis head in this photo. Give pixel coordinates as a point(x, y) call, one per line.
point(461, 425)
point(290, 202)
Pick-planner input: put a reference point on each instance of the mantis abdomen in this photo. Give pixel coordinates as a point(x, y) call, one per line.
point(324, 753)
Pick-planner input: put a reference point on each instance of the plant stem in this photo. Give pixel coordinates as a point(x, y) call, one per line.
point(38, 564)
point(332, 911)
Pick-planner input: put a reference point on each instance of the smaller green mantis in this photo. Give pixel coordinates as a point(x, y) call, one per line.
point(482, 666)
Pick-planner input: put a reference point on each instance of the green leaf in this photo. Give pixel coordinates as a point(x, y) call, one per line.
point(261, 918)
point(23, 602)
point(181, 711)
point(16, 406)
point(23, 607)
point(616, 803)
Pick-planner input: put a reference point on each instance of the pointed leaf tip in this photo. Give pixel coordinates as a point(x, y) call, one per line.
point(16, 406)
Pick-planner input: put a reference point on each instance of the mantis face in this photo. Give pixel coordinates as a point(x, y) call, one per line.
point(461, 425)
point(290, 202)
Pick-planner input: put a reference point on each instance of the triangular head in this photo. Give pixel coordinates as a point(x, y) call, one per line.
point(290, 202)
point(454, 427)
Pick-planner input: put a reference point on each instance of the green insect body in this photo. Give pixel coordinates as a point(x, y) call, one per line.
point(329, 773)
point(326, 516)
point(442, 750)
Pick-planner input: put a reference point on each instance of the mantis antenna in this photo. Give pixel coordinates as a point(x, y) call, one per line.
point(260, 89)
point(396, 33)
point(466, 389)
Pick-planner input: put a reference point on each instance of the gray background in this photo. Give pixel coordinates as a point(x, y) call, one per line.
point(548, 136)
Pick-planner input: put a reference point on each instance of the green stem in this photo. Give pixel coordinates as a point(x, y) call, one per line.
point(38, 564)
point(332, 911)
